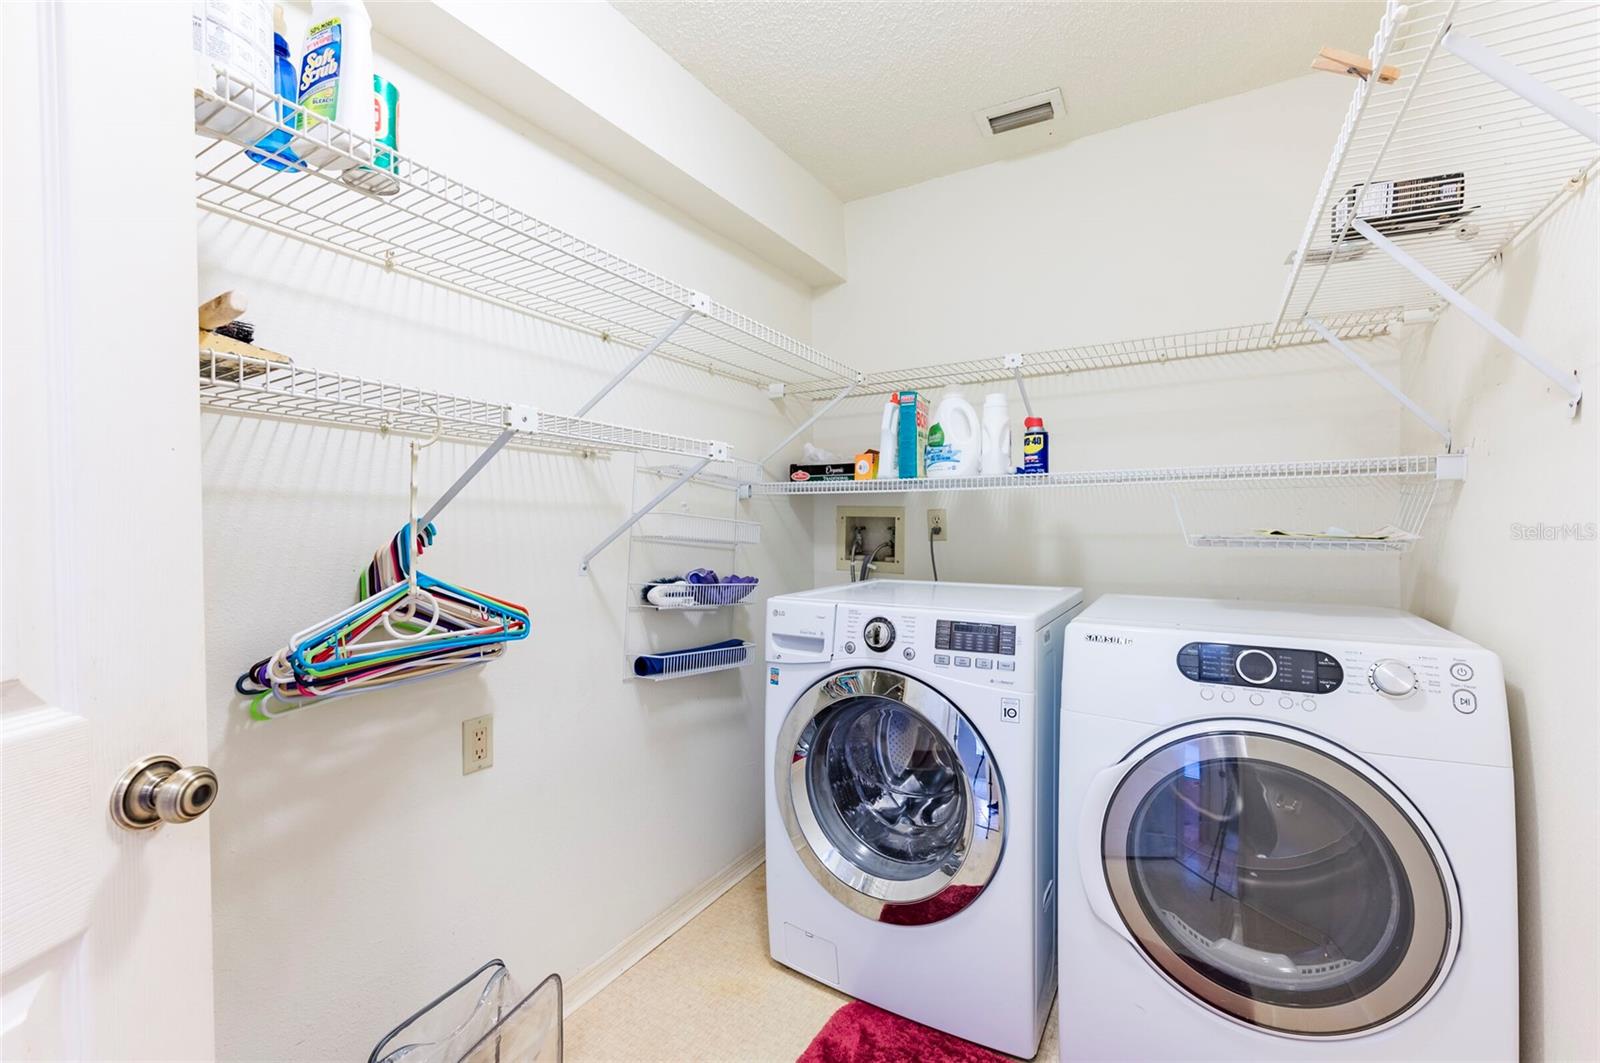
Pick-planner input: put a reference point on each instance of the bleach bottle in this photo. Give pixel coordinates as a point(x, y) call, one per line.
point(953, 441)
point(996, 436)
point(335, 87)
point(888, 448)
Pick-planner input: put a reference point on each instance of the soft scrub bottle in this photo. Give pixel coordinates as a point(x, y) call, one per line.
point(335, 87)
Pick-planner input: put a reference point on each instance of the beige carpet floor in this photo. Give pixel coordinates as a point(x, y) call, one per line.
point(711, 993)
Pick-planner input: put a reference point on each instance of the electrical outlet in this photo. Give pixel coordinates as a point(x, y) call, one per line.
point(477, 744)
point(938, 527)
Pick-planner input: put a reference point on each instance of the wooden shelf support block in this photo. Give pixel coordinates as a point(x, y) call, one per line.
point(1336, 61)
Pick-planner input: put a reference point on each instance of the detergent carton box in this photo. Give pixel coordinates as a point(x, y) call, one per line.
point(912, 445)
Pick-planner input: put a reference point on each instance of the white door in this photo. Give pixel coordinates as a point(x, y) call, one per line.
point(106, 931)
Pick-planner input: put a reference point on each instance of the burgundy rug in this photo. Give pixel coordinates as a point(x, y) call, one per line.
point(861, 1033)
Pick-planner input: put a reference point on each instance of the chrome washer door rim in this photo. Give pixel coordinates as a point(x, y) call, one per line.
point(902, 901)
point(1435, 938)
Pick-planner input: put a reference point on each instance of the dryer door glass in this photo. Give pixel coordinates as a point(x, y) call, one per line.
point(890, 796)
point(1279, 884)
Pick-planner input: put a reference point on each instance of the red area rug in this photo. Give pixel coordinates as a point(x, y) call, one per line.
point(861, 1033)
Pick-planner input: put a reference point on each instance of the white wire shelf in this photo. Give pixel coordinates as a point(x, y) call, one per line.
point(1413, 467)
point(693, 529)
point(440, 230)
point(1151, 350)
point(667, 664)
point(243, 384)
point(694, 597)
point(1446, 162)
point(1344, 544)
point(1363, 512)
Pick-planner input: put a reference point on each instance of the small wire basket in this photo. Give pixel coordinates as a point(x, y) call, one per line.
point(484, 1018)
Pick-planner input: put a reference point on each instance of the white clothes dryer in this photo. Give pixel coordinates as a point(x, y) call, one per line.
point(1287, 832)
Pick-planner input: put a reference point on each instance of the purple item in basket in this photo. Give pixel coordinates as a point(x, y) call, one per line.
point(708, 589)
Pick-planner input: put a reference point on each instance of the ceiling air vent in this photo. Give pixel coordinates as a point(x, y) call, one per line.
point(1028, 112)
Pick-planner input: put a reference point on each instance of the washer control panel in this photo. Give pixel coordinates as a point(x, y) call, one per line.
point(1265, 667)
point(967, 648)
point(969, 636)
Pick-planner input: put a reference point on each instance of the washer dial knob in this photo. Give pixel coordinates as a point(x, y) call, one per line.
point(878, 634)
point(1392, 678)
point(1256, 666)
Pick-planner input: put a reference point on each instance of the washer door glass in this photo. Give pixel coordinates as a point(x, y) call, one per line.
point(890, 796)
point(1278, 884)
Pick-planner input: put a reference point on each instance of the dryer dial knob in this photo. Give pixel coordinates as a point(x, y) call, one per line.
point(1392, 678)
point(1256, 666)
point(878, 634)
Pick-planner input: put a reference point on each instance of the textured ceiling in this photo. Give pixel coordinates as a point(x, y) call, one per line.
point(871, 96)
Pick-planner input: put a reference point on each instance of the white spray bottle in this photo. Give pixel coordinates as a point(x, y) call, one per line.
point(888, 442)
point(996, 436)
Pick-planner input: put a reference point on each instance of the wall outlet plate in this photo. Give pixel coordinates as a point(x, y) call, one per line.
point(878, 523)
point(477, 744)
point(938, 525)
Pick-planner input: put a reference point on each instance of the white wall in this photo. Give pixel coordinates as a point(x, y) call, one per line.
point(1174, 224)
point(1530, 599)
point(586, 73)
point(356, 872)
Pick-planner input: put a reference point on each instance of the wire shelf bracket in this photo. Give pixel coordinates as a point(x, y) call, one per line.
point(1485, 320)
point(1491, 64)
point(1014, 363)
point(518, 419)
point(1438, 427)
point(639, 514)
point(701, 304)
point(816, 416)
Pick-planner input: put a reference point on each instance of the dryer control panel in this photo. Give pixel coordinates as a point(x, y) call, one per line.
point(1268, 667)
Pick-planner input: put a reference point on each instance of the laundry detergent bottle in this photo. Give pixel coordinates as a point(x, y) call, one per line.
point(996, 436)
point(954, 441)
point(335, 87)
point(234, 62)
point(888, 436)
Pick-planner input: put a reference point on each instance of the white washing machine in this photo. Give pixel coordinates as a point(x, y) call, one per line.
point(911, 737)
point(1287, 832)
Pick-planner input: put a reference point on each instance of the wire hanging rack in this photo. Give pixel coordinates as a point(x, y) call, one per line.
point(1448, 163)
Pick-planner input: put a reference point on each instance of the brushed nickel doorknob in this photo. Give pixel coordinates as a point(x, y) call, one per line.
point(159, 790)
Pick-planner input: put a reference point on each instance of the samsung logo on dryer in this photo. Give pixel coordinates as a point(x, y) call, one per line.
point(1112, 640)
